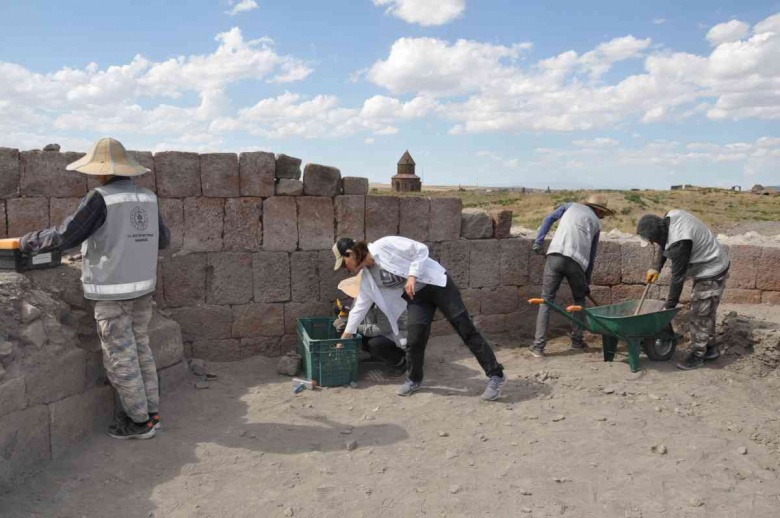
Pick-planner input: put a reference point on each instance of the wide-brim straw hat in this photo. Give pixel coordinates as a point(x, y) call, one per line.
point(108, 157)
point(599, 201)
point(351, 286)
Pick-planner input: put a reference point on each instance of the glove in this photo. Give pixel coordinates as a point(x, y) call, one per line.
point(651, 277)
point(340, 324)
point(537, 248)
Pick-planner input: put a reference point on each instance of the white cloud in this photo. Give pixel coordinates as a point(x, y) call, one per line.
point(241, 6)
point(727, 32)
point(598, 142)
point(424, 12)
point(508, 163)
point(601, 59)
point(659, 21)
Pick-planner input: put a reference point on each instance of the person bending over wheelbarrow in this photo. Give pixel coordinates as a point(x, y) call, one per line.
point(694, 252)
point(571, 256)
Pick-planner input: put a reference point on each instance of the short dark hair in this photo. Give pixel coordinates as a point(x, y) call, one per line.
point(347, 245)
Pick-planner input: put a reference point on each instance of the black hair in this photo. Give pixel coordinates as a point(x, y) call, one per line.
point(653, 229)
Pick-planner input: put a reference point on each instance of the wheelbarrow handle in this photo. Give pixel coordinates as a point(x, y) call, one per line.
point(574, 309)
point(537, 302)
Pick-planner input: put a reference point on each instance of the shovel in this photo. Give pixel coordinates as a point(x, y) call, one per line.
point(642, 300)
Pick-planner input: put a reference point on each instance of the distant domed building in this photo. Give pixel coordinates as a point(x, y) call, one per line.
point(405, 180)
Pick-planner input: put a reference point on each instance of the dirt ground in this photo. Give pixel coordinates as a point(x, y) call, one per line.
point(572, 436)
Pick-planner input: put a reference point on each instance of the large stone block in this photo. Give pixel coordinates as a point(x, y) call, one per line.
point(295, 310)
point(243, 224)
point(75, 418)
point(26, 215)
point(288, 167)
point(513, 264)
point(3, 220)
point(61, 208)
point(321, 180)
point(770, 297)
point(381, 217)
point(329, 278)
point(305, 277)
point(454, 256)
point(502, 223)
point(354, 185)
point(536, 263)
point(280, 224)
point(184, 280)
point(289, 187)
point(491, 324)
point(219, 175)
point(12, 395)
point(172, 213)
point(601, 294)
point(257, 171)
point(10, 172)
point(171, 378)
point(444, 224)
point(768, 273)
point(228, 350)
point(484, 259)
point(473, 300)
point(414, 215)
point(744, 266)
point(634, 262)
point(271, 274)
point(178, 174)
point(24, 443)
point(350, 214)
point(229, 278)
point(739, 296)
point(500, 300)
point(607, 270)
point(475, 224)
point(264, 345)
point(165, 341)
point(315, 223)
point(626, 292)
point(57, 379)
point(44, 174)
point(203, 322)
point(258, 320)
point(203, 224)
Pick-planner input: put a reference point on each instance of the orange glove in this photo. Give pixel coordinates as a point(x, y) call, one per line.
point(651, 277)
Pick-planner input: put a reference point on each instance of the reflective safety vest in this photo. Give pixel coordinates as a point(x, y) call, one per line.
point(708, 257)
point(574, 235)
point(120, 259)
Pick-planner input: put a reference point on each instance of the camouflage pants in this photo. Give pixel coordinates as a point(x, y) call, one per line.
point(705, 300)
point(123, 327)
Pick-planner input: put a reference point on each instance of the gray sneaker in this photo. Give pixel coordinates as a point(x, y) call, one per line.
point(408, 388)
point(494, 386)
point(537, 352)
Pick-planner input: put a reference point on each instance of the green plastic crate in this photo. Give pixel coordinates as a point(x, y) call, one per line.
point(322, 361)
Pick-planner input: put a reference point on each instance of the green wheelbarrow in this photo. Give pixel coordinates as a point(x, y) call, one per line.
point(615, 322)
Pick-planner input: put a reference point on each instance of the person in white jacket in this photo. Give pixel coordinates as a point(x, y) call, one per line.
point(398, 271)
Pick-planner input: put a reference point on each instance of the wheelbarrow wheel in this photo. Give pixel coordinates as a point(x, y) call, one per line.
point(660, 349)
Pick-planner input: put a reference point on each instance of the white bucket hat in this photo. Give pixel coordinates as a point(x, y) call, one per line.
point(108, 157)
point(351, 286)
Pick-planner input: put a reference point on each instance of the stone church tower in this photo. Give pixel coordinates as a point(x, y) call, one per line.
point(406, 180)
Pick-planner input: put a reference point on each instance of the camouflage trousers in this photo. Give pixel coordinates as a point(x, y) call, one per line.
point(123, 327)
point(705, 300)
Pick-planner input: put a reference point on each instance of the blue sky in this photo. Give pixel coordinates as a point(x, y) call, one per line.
point(494, 92)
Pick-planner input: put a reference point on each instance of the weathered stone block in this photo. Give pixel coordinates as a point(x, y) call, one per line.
point(744, 266)
point(321, 180)
point(739, 296)
point(601, 294)
point(536, 264)
point(770, 297)
point(184, 280)
point(513, 262)
point(24, 443)
point(271, 274)
point(178, 174)
point(75, 418)
point(634, 262)
point(44, 174)
point(243, 224)
point(61, 208)
point(475, 224)
point(500, 300)
point(229, 278)
point(280, 224)
point(257, 172)
point(165, 341)
point(444, 223)
point(768, 273)
point(203, 322)
point(350, 214)
point(3, 220)
point(289, 187)
point(12, 395)
point(354, 185)
point(26, 215)
point(329, 278)
point(172, 213)
point(381, 217)
point(203, 224)
point(264, 345)
point(607, 270)
point(288, 167)
point(258, 320)
point(171, 378)
point(288, 343)
point(10, 172)
point(305, 278)
point(473, 300)
point(491, 324)
point(502, 223)
point(57, 379)
point(454, 257)
point(414, 215)
point(219, 175)
point(315, 223)
point(295, 310)
point(626, 292)
point(228, 350)
point(484, 259)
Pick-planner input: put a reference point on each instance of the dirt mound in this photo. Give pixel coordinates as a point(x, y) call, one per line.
point(750, 338)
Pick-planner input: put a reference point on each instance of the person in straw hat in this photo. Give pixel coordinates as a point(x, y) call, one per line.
point(119, 228)
point(571, 256)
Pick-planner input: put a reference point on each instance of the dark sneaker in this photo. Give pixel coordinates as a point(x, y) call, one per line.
point(493, 389)
point(580, 346)
point(691, 362)
point(121, 417)
point(536, 351)
point(130, 430)
point(155, 417)
point(408, 388)
point(712, 353)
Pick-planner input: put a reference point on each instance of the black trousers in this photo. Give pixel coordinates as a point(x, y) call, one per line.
point(449, 301)
point(384, 349)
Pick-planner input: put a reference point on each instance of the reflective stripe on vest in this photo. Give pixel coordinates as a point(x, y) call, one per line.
point(119, 289)
point(123, 197)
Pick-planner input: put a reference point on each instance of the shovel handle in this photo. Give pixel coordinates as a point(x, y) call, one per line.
point(642, 300)
point(536, 301)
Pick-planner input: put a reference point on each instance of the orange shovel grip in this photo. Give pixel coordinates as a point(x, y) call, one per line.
point(536, 301)
point(574, 309)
